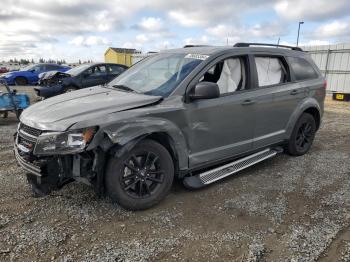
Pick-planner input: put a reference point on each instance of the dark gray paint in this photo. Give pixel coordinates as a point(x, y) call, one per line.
point(202, 131)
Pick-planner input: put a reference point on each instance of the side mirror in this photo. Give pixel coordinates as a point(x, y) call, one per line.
point(205, 90)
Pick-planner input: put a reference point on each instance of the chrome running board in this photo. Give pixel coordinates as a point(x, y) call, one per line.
point(218, 173)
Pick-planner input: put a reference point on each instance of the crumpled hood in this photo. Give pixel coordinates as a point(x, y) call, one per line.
point(51, 74)
point(61, 112)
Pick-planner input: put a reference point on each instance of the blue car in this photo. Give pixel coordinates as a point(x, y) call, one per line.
point(30, 74)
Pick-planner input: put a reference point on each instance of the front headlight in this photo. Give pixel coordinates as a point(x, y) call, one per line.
point(7, 75)
point(59, 143)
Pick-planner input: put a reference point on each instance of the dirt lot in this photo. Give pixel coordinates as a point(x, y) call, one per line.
point(285, 209)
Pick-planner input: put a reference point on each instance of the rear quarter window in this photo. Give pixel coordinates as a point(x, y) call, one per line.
point(302, 69)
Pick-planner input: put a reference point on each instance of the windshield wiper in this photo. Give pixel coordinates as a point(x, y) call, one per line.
point(124, 88)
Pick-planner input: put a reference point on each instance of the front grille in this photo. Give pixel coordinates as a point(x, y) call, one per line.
point(30, 130)
point(26, 138)
point(26, 143)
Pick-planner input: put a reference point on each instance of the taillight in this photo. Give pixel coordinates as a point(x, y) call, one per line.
point(325, 84)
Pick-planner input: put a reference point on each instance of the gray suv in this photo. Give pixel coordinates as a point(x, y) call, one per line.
point(198, 113)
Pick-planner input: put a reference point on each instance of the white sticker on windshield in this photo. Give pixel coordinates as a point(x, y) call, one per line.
point(197, 56)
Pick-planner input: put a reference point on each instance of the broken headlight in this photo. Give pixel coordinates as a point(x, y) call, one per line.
point(56, 143)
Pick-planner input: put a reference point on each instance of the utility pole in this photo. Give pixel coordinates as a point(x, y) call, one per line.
point(300, 23)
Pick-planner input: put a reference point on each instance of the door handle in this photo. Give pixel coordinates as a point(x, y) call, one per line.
point(294, 92)
point(248, 102)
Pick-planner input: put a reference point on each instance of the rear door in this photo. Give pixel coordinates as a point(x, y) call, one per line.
point(223, 127)
point(276, 97)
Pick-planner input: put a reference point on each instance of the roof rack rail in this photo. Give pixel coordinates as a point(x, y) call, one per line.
point(295, 48)
point(187, 46)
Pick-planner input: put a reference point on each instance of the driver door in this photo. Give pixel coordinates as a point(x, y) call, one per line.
point(95, 75)
point(223, 127)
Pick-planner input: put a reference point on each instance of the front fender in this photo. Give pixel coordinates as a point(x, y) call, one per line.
point(305, 104)
point(132, 130)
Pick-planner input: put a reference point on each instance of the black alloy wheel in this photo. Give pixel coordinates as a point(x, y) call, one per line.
point(141, 177)
point(302, 136)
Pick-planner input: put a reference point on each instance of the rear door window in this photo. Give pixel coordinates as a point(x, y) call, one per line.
point(271, 71)
point(302, 69)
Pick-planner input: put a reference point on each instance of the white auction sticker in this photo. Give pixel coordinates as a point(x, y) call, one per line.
point(197, 56)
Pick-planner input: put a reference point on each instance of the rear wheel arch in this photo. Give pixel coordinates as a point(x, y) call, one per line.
point(316, 115)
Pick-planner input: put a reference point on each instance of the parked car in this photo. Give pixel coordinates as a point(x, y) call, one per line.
point(30, 74)
point(3, 70)
point(198, 114)
point(86, 75)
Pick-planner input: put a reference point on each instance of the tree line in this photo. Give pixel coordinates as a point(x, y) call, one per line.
point(42, 60)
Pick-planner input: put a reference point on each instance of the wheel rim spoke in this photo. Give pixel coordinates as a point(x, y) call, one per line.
point(156, 180)
point(155, 172)
point(126, 178)
point(132, 168)
point(135, 161)
point(147, 188)
point(130, 185)
point(142, 174)
point(140, 188)
point(147, 159)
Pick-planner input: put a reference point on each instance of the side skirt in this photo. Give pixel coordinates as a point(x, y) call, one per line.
point(221, 172)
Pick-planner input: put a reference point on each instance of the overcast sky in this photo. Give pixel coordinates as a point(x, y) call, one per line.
point(74, 29)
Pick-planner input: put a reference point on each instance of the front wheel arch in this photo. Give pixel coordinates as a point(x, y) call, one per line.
point(18, 79)
point(160, 137)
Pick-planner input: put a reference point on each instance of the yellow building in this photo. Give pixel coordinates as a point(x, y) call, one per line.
point(120, 55)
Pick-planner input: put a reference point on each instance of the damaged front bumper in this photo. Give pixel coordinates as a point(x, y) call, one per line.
point(26, 165)
point(48, 91)
point(52, 172)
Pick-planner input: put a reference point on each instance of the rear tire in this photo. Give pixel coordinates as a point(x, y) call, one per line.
point(140, 178)
point(302, 136)
point(21, 81)
point(70, 89)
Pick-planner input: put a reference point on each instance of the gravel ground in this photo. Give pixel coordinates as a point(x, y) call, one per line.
point(284, 209)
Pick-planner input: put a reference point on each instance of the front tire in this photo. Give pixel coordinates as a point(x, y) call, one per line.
point(302, 136)
point(21, 81)
point(140, 178)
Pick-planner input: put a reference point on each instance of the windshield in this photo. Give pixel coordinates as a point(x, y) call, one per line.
point(27, 68)
point(77, 70)
point(157, 75)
